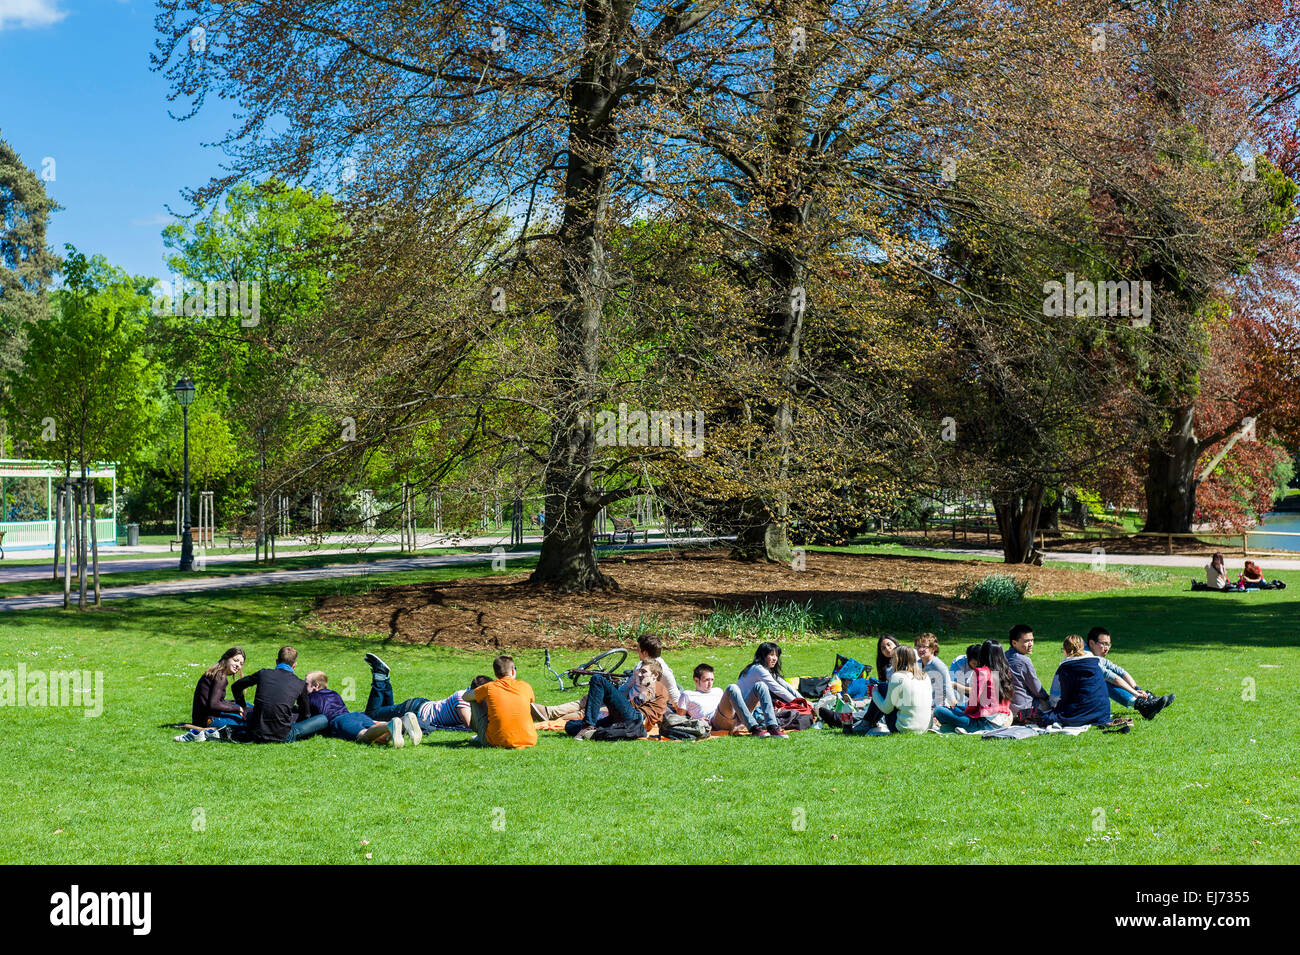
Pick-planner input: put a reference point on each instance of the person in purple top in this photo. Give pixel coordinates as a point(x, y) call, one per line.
point(342, 723)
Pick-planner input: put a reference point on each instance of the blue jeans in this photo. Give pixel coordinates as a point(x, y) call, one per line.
point(1121, 695)
point(349, 725)
point(380, 706)
point(602, 692)
point(308, 727)
point(764, 712)
point(972, 724)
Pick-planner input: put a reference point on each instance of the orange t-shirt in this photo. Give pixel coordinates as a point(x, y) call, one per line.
point(510, 721)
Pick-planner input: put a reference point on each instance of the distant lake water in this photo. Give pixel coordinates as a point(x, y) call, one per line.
point(1288, 522)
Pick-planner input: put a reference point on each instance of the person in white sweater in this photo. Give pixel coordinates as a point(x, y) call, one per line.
point(909, 692)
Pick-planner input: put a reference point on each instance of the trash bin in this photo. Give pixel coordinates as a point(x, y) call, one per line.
point(132, 535)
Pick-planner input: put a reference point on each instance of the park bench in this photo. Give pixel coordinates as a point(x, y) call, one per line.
point(243, 535)
point(625, 526)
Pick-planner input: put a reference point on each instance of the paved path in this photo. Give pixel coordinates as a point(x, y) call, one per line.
point(1150, 560)
point(199, 584)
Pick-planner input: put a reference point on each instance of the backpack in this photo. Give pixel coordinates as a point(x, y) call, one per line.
point(676, 726)
point(848, 669)
point(813, 687)
point(794, 719)
point(630, 729)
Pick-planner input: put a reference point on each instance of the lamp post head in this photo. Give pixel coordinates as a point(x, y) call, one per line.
point(184, 391)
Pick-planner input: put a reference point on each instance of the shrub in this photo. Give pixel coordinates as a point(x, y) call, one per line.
point(995, 590)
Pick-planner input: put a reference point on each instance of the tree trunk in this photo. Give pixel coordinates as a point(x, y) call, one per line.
point(1171, 476)
point(1050, 518)
point(568, 554)
point(1017, 513)
point(94, 545)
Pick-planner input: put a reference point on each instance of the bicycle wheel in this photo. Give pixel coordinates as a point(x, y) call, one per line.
point(605, 663)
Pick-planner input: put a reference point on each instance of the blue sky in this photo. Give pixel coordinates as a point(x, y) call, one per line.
point(79, 91)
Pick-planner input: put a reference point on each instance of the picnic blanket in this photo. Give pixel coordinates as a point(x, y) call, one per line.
point(557, 726)
point(1024, 732)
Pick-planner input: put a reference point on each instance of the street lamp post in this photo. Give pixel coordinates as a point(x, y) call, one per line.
point(184, 392)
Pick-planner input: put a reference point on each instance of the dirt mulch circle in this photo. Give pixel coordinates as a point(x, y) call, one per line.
point(676, 587)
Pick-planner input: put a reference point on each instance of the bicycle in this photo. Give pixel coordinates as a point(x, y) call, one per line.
point(606, 664)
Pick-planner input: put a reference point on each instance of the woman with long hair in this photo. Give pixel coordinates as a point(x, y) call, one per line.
point(990, 699)
point(907, 697)
point(749, 699)
point(211, 709)
point(886, 647)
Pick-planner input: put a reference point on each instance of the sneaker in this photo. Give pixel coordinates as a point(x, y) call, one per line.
point(395, 727)
point(191, 736)
point(878, 730)
point(413, 728)
point(777, 733)
point(377, 665)
point(213, 732)
point(1147, 706)
point(759, 733)
point(586, 733)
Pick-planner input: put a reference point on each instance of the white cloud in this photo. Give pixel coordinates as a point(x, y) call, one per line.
point(154, 220)
point(29, 13)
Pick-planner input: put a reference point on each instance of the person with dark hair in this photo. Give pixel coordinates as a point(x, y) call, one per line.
point(281, 711)
point(749, 699)
point(990, 698)
point(650, 647)
point(876, 718)
point(702, 702)
point(960, 672)
point(500, 709)
point(427, 716)
point(1028, 700)
point(1120, 686)
point(211, 708)
point(1216, 573)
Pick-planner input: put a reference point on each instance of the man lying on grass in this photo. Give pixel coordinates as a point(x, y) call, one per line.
point(418, 715)
point(1121, 687)
point(347, 725)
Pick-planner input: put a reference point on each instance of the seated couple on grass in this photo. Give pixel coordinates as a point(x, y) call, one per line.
point(280, 711)
point(1031, 704)
point(746, 705)
point(1252, 577)
point(647, 694)
point(913, 682)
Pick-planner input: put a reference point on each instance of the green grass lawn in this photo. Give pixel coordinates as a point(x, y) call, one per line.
point(1212, 779)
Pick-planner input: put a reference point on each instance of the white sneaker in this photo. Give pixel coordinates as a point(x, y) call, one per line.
point(413, 728)
point(395, 728)
point(878, 730)
point(191, 736)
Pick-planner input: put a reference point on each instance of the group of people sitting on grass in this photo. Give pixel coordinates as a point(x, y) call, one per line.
point(914, 692)
point(1252, 577)
point(287, 708)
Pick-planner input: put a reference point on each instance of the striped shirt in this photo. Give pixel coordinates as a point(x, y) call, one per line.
point(443, 714)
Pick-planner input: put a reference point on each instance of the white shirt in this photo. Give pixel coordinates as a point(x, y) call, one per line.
point(701, 704)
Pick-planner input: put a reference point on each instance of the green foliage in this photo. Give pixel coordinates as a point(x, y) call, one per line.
point(995, 590)
point(86, 388)
point(26, 265)
point(773, 619)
